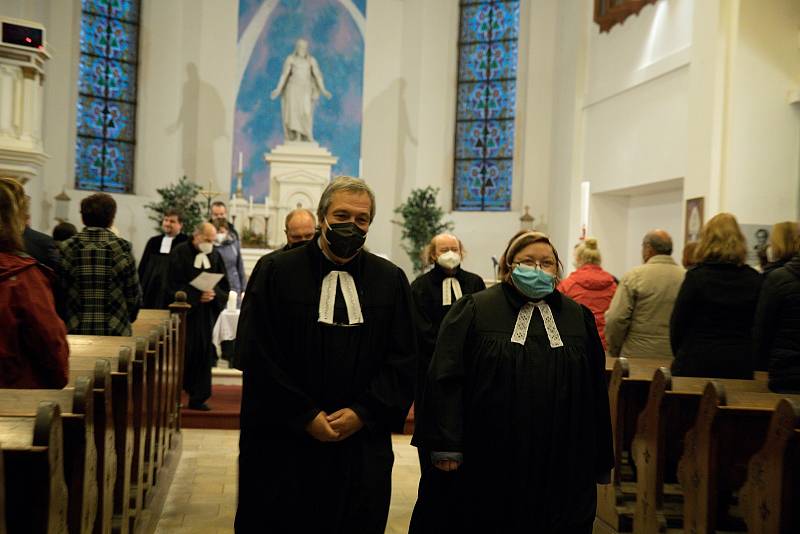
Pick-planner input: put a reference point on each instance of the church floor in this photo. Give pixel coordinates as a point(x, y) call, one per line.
point(202, 497)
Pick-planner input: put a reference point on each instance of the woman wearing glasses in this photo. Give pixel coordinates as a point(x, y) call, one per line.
point(516, 401)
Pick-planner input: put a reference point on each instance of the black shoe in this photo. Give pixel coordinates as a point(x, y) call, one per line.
point(203, 407)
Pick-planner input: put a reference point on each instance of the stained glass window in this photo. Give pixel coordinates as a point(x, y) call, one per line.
point(106, 138)
point(487, 78)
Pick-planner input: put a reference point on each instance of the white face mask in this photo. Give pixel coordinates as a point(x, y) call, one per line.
point(449, 260)
point(221, 238)
point(205, 248)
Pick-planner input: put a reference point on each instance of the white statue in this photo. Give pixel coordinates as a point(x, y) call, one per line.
point(299, 88)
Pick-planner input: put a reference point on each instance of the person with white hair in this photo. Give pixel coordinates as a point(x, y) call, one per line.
point(434, 293)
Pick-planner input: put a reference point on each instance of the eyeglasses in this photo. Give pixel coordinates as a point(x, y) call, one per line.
point(544, 265)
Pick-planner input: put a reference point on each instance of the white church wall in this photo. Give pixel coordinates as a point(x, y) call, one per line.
point(763, 150)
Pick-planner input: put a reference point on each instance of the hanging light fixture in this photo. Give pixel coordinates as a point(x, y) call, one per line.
point(62, 206)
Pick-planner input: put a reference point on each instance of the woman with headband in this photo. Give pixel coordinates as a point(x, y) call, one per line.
point(516, 401)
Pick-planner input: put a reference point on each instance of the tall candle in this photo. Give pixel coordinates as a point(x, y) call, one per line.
point(585, 195)
point(251, 204)
point(240, 162)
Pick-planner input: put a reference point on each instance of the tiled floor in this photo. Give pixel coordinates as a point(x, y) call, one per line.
point(202, 497)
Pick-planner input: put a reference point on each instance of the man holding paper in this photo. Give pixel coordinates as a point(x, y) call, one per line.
point(197, 269)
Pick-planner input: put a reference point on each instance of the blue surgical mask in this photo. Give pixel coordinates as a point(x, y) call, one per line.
point(532, 282)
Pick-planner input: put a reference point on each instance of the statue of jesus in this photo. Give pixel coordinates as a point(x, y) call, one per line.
point(299, 87)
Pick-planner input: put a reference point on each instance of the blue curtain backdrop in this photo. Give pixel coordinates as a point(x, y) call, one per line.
point(334, 31)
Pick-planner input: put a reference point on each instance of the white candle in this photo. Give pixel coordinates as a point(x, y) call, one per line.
point(251, 203)
point(585, 192)
point(240, 162)
point(232, 297)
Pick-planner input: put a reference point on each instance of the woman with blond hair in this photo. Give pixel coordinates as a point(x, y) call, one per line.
point(784, 243)
point(33, 347)
point(516, 404)
point(712, 321)
point(589, 284)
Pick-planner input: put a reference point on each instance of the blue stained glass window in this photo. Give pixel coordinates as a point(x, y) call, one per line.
point(487, 76)
point(106, 115)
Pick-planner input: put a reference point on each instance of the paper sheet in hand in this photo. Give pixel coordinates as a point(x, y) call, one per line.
point(206, 281)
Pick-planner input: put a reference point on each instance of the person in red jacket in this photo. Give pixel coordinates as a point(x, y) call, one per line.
point(589, 284)
point(33, 345)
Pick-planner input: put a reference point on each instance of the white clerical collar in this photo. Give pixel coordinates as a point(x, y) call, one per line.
point(166, 244)
point(524, 320)
point(327, 298)
point(201, 261)
point(450, 286)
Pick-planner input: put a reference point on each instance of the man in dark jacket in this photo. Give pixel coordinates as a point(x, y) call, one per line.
point(777, 327)
point(41, 247)
point(154, 267)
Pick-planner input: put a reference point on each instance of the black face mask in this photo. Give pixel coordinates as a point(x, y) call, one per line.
point(345, 239)
point(296, 244)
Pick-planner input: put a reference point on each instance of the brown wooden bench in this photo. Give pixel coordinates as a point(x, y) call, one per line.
point(627, 396)
point(33, 461)
point(769, 498)
point(670, 412)
point(80, 454)
point(731, 426)
point(157, 332)
point(84, 358)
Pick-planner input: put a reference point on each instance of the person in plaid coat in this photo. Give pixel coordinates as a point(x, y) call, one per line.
point(98, 274)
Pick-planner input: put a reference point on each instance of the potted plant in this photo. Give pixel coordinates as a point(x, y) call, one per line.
point(422, 220)
point(181, 196)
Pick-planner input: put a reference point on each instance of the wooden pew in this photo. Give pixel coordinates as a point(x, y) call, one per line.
point(670, 412)
point(157, 332)
point(33, 461)
point(731, 426)
point(769, 498)
point(83, 358)
point(627, 396)
point(3, 529)
point(179, 309)
point(80, 455)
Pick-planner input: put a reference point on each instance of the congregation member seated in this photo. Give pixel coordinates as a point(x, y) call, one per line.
point(589, 284)
point(637, 322)
point(712, 322)
point(186, 262)
point(516, 393)
point(98, 275)
point(33, 346)
point(154, 267)
point(433, 294)
point(777, 327)
point(63, 231)
point(784, 243)
point(228, 246)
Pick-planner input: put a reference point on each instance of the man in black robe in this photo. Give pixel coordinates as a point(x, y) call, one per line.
point(154, 266)
point(433, 295)
point(186, 262)
point(329, 354)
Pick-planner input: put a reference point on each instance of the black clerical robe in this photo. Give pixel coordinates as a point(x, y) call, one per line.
point(531, 421)
point(154, 273)
point(199, 320)
point(295, 367)
point(436, 488)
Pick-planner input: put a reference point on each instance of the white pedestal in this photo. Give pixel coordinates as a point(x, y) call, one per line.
point(298, 174)
point(21, 103)
point(250, 257)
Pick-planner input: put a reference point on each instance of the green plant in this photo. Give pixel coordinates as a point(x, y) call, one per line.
point(422, 219)
point(251, 239)
point(181, 196)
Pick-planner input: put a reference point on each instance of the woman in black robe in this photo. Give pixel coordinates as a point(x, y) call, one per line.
point(516, 400)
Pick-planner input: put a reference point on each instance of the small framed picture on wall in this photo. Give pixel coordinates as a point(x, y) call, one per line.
point(694, 219)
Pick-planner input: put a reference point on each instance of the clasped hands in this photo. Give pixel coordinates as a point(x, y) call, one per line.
point(337, 426)
point(207, 296)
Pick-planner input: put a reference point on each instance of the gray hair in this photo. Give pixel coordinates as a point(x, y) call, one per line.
point(295, 212)
point(659, 241)
point(345, 184)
